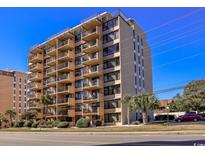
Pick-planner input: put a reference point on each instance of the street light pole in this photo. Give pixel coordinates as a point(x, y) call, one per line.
point(167, 115)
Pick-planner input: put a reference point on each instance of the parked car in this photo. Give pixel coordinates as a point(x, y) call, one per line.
point(191, 116)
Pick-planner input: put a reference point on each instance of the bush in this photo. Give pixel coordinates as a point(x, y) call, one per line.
point(55, 123)
point(35, 124)
point(42, 122)
point(28, 124)
point(97, 123)
point(136, 122)
point(83, 123)
point(63, 125)
point(19, 124)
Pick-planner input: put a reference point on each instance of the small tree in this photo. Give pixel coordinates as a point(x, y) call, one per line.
point(46, 100)
point(128, 101)
point(11, 114)
point(144, 102)
point(29, 115)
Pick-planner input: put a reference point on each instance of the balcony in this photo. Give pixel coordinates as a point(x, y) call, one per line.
point(65, 78)
point(92, 85)
point(35, 76)
point(51, 71)
point(51, 51)
point(34, 95)
point(35, 86)
point(65, 101)
point(50, 82)
point(91, 34)
point(88, 24)
point(90, 98)
point(66, 44)
point(92, 72)
point(65, 67)
point(36, 58)
point(91, 111)
point(92, 46)
point(66, 90)
point(51, 61)
point(65, 56)
point(33, 105)
point(91, 59)
point(36, 67)
point(51, 91)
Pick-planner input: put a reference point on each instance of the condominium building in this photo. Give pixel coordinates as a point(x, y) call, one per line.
point(13, 92)
point(89, 68)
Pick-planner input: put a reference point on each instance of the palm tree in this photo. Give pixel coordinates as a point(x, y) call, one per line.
point(3, 119)
point(127, 100)
point(46, 100)
point(144, 102)
point(11, 114)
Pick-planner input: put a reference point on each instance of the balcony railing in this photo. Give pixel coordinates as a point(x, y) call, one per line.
point(51, 59)
point(36, 56)
point(86, 33)
point(63, 65)
point(63, 77)
point(66, 42)
point(91, 97)
point(62, 100)
point(90, 44)
point(93, 110)
point(50, 80)
point(50, 70)
point(50, 49)
point(34, 75)
point(64, 89)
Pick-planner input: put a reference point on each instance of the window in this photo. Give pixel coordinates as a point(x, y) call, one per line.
point(111, 63)
point(20, 80)
point(78, 107)
point(110, 37)
point(14, 85)
point(78, 95)
point(78, 49)
point(112, 76)
point(111, 90)
point(110, 24)
point(141, 41)
point(19, 110)
point(138, 59)
point(19, 104)
point(78, 37)
point(78, 72)
point(112, 117)
point(19, 86)
point(133, 32)
point(112, 104)
point(142, 62)
point(111, 50)
point(78, 84)
point(14, 79)
point(78, 61)
point(19, 92)
point(138, 38)
point(25, 81)
point(19, 98)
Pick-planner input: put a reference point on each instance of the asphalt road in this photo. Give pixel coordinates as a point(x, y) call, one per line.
point(69, 139)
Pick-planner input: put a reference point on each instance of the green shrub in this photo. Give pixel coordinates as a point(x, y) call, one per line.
point(97, 123)
point(136, 122)
point(19, 124)
point(83, 123)
point(35, 124)
point(27, 124)
point(63, 124)
point(55, 123)
point(49, 122)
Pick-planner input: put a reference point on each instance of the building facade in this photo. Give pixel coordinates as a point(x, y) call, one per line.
point(13, 92)
point(89, 68)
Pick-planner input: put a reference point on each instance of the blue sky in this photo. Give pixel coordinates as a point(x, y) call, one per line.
point(173, 33)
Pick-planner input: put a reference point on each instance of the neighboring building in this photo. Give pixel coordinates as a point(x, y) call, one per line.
point(88, 69)
point(164, 104)
point(13, 92)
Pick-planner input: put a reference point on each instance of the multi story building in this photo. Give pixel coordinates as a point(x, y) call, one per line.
point(13, 92)
point(89, 68)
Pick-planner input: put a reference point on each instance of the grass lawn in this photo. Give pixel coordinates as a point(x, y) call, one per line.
point(154, 127)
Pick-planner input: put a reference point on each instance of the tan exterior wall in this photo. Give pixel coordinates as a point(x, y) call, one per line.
point(8, 92)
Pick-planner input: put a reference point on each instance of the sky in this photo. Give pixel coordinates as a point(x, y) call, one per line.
point(175, 35)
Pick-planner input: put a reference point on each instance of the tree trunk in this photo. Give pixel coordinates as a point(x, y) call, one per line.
point(128, 115)
point(144, 117)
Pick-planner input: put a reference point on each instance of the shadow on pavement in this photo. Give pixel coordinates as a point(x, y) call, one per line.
point(162, 143)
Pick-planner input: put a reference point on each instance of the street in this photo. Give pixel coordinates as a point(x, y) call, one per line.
point(102, 139)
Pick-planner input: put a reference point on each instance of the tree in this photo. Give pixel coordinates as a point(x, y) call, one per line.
point(11, 114)
point(46, 100)
point(144, 102)
point(192, 99)
point(128, 101)
point(3, 119)
point(29, 115)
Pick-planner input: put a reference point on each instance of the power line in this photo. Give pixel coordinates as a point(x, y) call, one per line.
point(174, 30)
point(176, 37)
point(174, 20)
